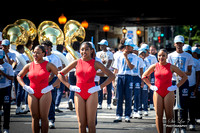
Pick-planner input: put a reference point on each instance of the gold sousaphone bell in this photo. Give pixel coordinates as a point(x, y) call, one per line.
point(30, 27)
point(15, 34)
point(49, 30)
point(73, 32)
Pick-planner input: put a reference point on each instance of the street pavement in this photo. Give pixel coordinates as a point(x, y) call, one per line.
point(66, 122)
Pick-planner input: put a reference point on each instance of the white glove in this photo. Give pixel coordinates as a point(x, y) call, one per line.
point(153, 88)
point(172, 88)
point(94, 89)
point(74, 88)
point(47, 89)
point(28, 89)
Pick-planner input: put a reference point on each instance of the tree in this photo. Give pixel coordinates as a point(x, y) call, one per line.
point(185, 30)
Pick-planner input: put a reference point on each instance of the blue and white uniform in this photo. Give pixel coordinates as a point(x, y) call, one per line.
point(137, 84)
point(124, 83)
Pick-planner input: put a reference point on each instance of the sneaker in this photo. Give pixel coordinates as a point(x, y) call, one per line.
point(26, 109)
point(19, 111)
point(51, 124)
point(140, 112)
point(5, 131)
point(109, 107)
point(192, 127)
point(176, 130)
point(58, 110)
point(99, 106)
point(137, 115)
point(145, 113)
point(40, 123)
point(151, 107)
point(183, 130)
point(118, 119)
point(70, 104)
point(115, 101)
point(127, 119)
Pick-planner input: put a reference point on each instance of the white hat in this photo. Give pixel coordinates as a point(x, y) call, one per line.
point(145, 46)
point(179, 38)
point(103, 42)
point(129, 42)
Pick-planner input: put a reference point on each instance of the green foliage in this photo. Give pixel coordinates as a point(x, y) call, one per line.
point(184, 30)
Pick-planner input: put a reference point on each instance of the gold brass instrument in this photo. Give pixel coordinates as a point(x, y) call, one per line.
point(17, 35)
point(49, 30)
point(29, 27)
point(73, 32)
point(53, 34)
point(45, 24)
point(32, 33)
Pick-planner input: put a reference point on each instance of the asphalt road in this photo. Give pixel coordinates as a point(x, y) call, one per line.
point(67, 122)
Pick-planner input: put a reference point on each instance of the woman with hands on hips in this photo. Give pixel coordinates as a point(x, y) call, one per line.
point(86, 96)
point(163, 96)
point(39, 98)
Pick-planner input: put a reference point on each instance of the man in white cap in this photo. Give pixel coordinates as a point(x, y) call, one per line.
point(183, 61)
point(123, 65)
point(106, 57)
point(9, 57)
point(6, 76)
point(152, 60)
point(193, 87)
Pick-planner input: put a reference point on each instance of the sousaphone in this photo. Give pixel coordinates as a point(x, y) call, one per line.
point(30, 27)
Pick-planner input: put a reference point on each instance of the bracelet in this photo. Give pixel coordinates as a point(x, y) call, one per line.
point(145, 77)
point(61, 73)
point(20, 76)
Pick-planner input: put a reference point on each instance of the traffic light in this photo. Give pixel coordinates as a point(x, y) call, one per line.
point(162, 34)
point(190, 29)
point(159, 39)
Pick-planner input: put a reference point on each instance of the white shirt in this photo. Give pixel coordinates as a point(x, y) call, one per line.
point(19, 64)
point(12, 56)
point(54, 60)
point(115, 55)
point(146, 64)
point(181, 60)
point(105, 56)
point(195, 68)
point(8, 70)
point(140, 64)
point(70, 59)
point(121, 65)
point(152, 59)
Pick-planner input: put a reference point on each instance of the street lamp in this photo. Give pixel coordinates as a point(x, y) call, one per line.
point(106, 28)
point(62, 19)
point(138, 32)
point(85, 24)
point(124, 31)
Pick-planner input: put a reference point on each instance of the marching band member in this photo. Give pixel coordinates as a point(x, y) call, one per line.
point(123, 65)
point(163, 96)
point(86, 96)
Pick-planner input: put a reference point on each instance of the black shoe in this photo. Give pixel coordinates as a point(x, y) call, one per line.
point(58, 110)
point(70, 106)
point(115, 101)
